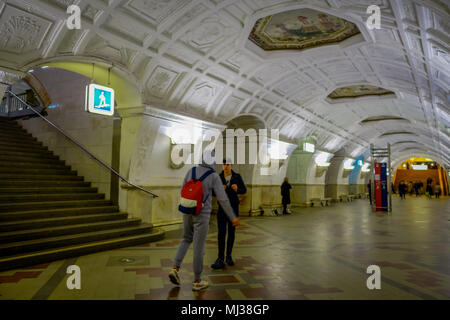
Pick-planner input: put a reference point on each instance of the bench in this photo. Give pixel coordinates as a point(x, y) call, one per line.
point(343, 197)
point(322, 202)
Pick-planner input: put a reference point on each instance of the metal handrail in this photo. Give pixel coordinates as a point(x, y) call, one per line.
point(82, 147)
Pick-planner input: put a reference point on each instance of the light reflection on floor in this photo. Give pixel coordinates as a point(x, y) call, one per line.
point(315, 253)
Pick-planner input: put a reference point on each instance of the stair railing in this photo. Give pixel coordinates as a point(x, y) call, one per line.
point(9, 105)
point(13, 95)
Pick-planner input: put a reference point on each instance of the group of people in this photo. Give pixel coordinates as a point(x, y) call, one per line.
point(226, 186)
point(417, 188)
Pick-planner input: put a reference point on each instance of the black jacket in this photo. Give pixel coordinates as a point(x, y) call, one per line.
point(233, 195)
point(286, 192)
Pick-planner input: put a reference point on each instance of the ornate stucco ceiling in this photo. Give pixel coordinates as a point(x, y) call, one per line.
point(194, 57)
point(300, 29)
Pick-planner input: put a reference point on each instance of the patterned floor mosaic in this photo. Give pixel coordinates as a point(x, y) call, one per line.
point(315, 253)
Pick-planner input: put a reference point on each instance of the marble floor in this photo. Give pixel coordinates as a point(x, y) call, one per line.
point(315, 253)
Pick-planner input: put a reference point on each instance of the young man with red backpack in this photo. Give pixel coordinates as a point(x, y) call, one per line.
point(195, 204)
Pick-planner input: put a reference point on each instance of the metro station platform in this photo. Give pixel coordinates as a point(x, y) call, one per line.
point(315, 253)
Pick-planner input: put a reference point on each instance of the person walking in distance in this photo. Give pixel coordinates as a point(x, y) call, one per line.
point(402, 188)
point(437, 190)
point(286, 194)
point(369, 189)
point(195, 204)
point(233, 186)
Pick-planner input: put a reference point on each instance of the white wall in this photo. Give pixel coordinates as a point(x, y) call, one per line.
point(95, 132)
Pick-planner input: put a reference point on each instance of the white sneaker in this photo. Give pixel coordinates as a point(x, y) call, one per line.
point(197, 286)
point(173, 276)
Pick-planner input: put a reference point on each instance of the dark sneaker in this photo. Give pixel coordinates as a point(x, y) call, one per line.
point(219, 264)
point(230, 261)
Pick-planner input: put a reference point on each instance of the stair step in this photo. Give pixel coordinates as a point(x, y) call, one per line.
point(20, 142)
point(41, 171)
point(22, 147)
point(36, 258)
point(52, 232)
point(34, 165)
point(6, 124)
point(48, 190)
point(15, 248)
point(24, 144)
point(56, 213)
point(22, 198)
point(27, 206)
point(40, 223)
point(12, 128)
point(28, 157)
point(15, 136)
point(6, 176)
point(14, 139)
point(43, 183)
point(4, 120)
point(29, 153)
point(8, 158)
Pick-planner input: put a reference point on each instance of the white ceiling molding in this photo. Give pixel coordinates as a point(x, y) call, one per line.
point(194, 58)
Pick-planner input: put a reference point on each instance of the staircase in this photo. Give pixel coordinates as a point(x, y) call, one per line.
point(48, 212)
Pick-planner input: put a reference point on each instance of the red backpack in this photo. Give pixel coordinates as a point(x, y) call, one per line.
point(191, 201)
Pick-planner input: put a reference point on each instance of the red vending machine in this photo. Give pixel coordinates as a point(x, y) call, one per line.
point(377, 185)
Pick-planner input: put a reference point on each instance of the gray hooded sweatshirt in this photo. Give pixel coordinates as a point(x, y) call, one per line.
point(212, 182)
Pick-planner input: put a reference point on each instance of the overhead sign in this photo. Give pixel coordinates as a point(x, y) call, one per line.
point(100, 99)
point(419, 166)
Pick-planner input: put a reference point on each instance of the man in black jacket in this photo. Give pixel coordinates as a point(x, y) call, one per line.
point(233, 185)
point(286, 194)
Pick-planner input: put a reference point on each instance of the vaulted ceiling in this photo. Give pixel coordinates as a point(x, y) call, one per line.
point(195, 57)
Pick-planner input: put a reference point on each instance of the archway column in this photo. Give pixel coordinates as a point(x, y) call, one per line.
point(336, 185)
point(300, 163)
point(145, 161)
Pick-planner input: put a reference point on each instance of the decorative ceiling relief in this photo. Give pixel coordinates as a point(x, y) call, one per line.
point(211, 32)
point(202, 96)
point(358, 91)
point(21, 32)
point(230, 107)
point(161, 81)
point(102, 48)
point(300, 29)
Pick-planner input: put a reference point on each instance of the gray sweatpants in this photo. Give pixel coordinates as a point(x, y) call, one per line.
point(195, 229)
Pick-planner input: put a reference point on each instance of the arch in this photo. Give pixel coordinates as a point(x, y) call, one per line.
point(102, 72)
point(398, 159)
point(375, 119)
point(245, 118)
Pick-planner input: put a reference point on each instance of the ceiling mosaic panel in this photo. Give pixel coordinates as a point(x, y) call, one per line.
point(300, 29)
point(358, 91)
